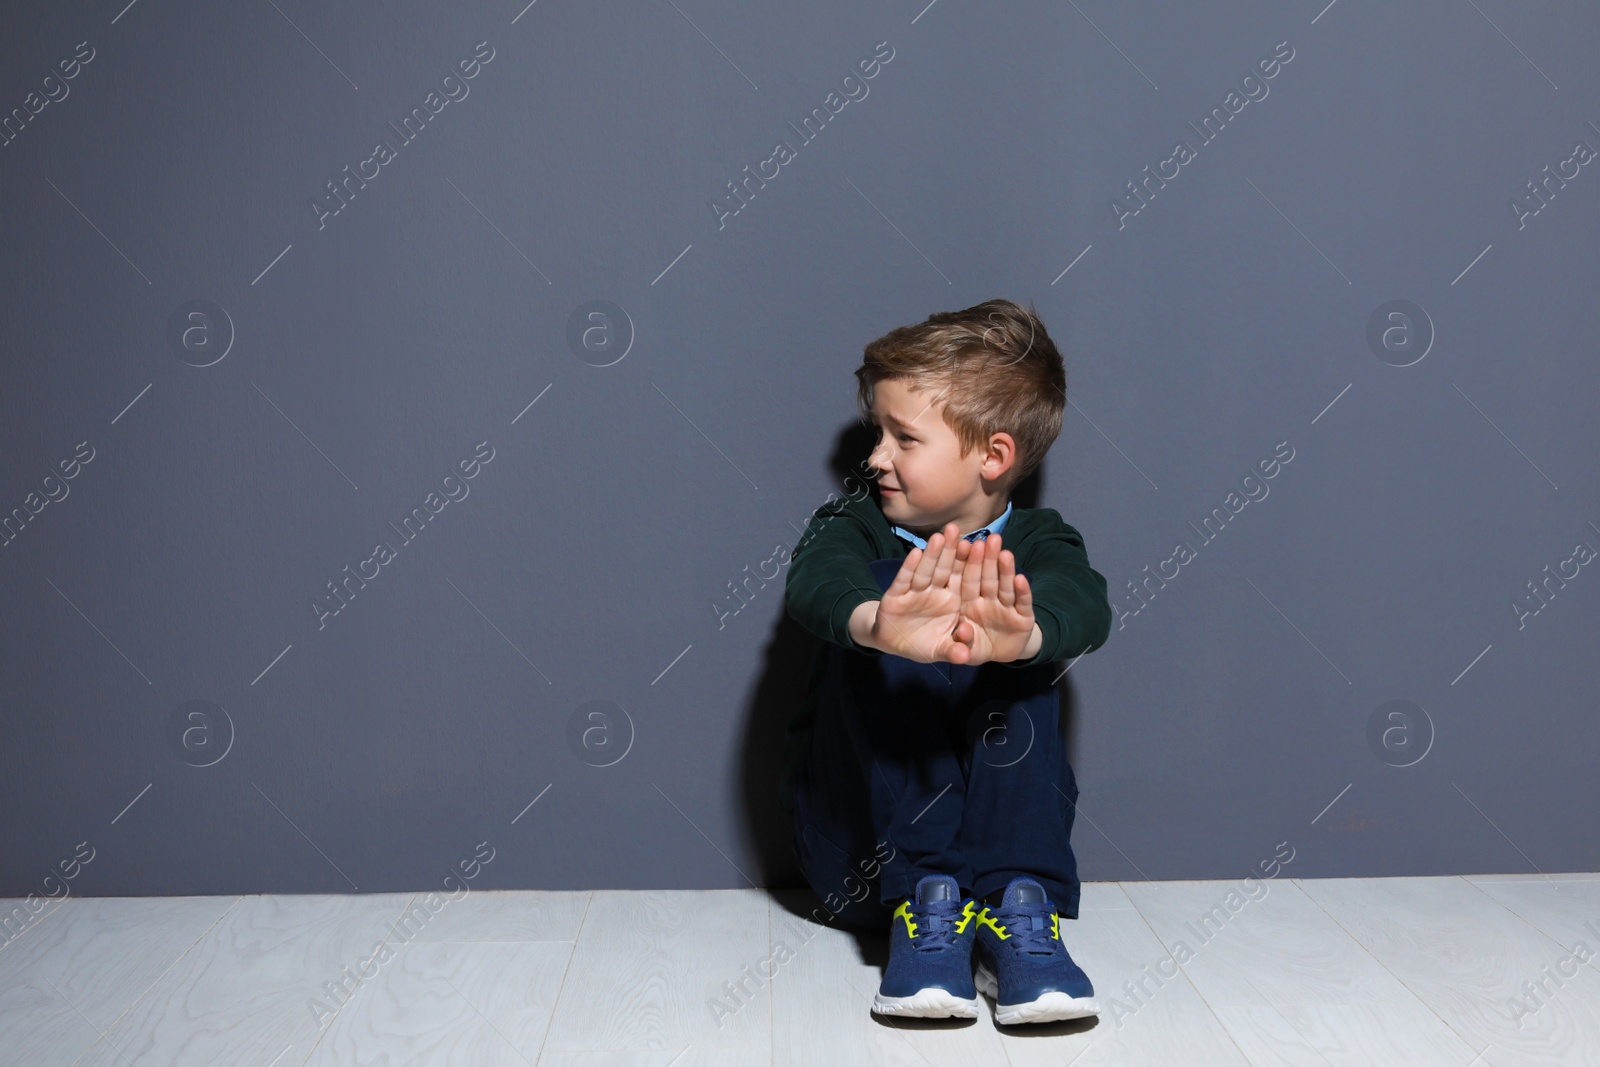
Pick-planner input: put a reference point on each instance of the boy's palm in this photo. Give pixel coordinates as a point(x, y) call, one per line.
point(919, 614)
point(958, 601)
point(996, 604)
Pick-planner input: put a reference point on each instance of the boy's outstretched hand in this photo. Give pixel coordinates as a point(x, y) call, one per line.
point(957, 601)
point(920, 614)
point(997, 620)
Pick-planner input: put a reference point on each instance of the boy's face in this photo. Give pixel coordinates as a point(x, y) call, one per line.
point(923, 479)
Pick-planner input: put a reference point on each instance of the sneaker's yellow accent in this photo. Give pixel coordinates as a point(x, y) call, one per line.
point(967, 915)
point(1055, 926)
point(904, 912)
point(985, 919)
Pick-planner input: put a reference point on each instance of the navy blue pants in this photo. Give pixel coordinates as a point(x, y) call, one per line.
point(921, 768)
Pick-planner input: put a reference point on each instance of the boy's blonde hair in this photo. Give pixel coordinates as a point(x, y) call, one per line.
point(992, 364)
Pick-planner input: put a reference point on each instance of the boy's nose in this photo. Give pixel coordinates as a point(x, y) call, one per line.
point(879, 459)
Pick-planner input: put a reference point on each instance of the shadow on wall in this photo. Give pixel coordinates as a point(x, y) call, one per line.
point(780, 687)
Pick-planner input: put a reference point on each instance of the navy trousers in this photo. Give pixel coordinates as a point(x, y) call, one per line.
point(921, 768)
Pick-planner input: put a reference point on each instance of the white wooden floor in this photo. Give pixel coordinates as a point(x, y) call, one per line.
point(1406, 971)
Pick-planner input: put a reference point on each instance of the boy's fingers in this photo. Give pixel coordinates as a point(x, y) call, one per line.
point(924, 573)
point(963, 553)
point(945, 563)
point(902, 579)
point(972, 572)
point(1024, 596)
point(1008, 576)
point(990, 589)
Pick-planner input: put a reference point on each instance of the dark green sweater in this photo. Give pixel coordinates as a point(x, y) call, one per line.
point(829, 577)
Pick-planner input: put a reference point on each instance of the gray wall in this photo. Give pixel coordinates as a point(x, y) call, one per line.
point(258, 391)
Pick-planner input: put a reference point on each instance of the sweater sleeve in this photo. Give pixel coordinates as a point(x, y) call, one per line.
point(829, 575)
point(1069, 596)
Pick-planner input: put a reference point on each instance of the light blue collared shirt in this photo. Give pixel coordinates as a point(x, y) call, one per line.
point(996, 526)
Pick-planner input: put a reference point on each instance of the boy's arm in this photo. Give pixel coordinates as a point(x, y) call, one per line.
point(1069, 596)
point(830, 589)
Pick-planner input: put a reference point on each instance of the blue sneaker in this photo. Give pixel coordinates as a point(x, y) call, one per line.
point(930, 954)
point(1023, 964)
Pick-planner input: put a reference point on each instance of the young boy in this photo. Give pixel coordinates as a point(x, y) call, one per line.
point(928, 752)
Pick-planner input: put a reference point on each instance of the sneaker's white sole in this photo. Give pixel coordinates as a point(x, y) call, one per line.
point(930, 1003)
point(1050, 1007)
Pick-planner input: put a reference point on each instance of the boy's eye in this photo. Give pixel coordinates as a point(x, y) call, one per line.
point(884, 431)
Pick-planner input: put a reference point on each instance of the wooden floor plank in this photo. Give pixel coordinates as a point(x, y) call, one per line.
point(243, 993)
point(1145, 1017)
point(1287, 982)
point(1467, 956)
point(73, 974)
point(1565, 909)
point(688, 1056)
point(450, 1004)
point(508, 915)
point(1337, 972)
point(647, 965)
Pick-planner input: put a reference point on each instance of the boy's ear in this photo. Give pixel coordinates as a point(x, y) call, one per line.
point(1001, 455)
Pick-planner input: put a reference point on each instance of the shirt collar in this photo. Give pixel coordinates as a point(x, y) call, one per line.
point(997, 526)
